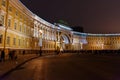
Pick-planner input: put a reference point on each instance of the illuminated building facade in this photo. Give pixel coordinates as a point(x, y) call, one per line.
point(102, 42)
point(21, 29)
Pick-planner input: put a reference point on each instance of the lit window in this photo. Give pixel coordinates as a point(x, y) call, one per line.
point(8, 40)
point(1, 39)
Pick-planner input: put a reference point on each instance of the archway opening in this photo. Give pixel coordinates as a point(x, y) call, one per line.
point(64, 42)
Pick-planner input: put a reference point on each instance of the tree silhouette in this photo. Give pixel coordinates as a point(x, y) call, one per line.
point(63, 22)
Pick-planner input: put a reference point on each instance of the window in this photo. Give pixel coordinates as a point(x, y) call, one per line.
point(15, 25)
point(14, 41)
point(19, 42)
point(24, 29)
point(10, 8)
point(1, 39)
point(16, 13)
point(20, 28)
point(3, 3)
point(8, 40)
point(9, 22)
point(2, 19)
point(20, 16)
point(23, 42)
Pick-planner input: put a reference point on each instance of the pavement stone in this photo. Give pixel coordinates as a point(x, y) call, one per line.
point(9, 65)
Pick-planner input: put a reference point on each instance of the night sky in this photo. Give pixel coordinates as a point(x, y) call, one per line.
point(96, 16)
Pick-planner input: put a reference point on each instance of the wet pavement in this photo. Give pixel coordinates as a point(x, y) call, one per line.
point(69, 67)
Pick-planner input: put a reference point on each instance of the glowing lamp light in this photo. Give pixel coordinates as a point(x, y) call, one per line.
point(41, 31)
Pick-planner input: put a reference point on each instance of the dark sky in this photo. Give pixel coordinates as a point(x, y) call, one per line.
point(96, 16)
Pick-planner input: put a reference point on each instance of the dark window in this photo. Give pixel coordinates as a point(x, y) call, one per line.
point(3, 3)
point(1, 36)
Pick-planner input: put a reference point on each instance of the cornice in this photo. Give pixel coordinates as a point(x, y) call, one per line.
point(14, 32)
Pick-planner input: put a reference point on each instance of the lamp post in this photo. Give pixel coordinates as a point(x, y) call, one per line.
point(6, 23)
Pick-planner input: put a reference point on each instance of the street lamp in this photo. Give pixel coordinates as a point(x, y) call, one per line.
point(6, 23)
